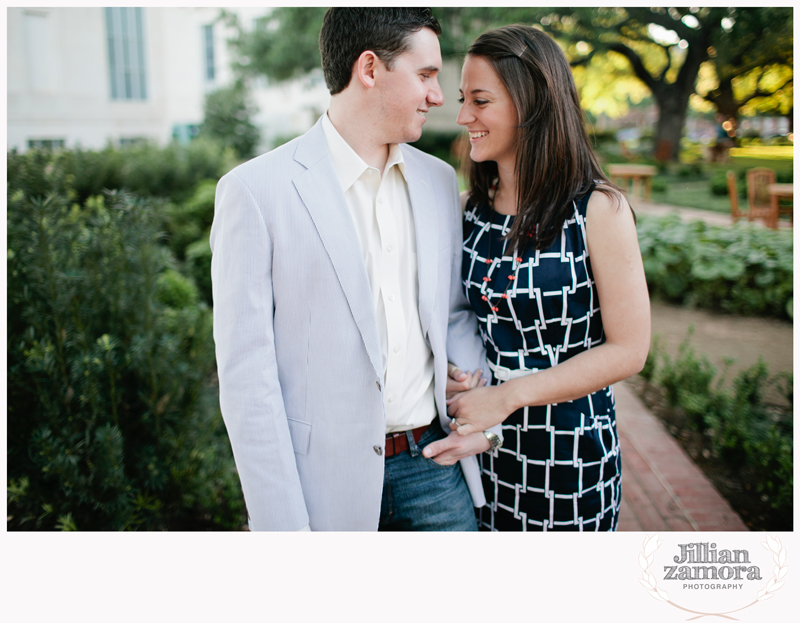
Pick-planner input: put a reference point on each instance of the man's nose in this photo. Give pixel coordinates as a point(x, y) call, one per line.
point(435, 95)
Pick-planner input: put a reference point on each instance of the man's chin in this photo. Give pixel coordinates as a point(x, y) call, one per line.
point(413, 136)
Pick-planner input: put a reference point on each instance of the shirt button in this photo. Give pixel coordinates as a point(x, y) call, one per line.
point(391, 398)
point(396, 349)
point(380, 199)
point(391, 297)
point(389, 249)
point(378, 450)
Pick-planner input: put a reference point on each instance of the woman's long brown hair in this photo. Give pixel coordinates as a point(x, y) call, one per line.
point(555, 163)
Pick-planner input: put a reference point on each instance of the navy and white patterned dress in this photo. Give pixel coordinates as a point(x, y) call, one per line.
point(559, 467)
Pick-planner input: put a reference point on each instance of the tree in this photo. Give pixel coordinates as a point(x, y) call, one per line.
point(283, 44)
point(751, 64)
point(227, 119)
point(665, 48)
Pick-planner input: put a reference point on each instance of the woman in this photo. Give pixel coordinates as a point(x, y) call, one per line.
point(549, 243)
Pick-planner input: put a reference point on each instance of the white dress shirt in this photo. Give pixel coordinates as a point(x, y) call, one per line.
point(381, 211)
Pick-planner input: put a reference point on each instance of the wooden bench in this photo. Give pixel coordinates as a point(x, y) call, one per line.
point(637, 175)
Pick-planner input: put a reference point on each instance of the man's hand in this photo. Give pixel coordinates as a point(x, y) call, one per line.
point(455, 447)
point(460, 381)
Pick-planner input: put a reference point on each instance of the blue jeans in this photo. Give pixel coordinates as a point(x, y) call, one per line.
point(420, 494)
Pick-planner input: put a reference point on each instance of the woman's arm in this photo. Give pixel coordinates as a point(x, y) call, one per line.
point(619, 276)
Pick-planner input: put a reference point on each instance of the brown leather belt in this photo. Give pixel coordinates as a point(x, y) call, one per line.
point(398, 442)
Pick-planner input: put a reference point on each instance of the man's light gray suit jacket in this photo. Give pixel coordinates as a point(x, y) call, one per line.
point(298, 350)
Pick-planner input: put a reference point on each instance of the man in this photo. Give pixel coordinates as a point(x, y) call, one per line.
point(336, 283)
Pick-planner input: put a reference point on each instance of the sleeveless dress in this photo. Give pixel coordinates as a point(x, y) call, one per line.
point(559, 467)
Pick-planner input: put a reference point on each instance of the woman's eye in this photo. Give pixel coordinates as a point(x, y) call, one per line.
point(460, 100)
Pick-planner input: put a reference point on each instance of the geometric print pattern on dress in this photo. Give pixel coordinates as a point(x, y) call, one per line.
point(547, 477)
point(559, 467)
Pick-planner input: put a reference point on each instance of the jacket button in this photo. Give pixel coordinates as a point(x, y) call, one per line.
point(378, 450)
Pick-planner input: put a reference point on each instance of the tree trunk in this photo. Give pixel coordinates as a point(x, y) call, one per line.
point(725, 101)
point(672, 107)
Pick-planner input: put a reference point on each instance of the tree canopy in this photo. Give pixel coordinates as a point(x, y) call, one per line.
point(729, 58)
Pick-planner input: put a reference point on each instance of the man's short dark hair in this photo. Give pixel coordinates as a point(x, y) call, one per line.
point(347, 32)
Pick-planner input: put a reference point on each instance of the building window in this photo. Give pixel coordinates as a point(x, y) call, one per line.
point(45, 143)
point(185, 132)
point(129, 141)
point(40, 52)
point(208, 47)
point(125, 29)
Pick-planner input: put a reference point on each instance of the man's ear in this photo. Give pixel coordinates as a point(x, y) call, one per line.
point(365, 68)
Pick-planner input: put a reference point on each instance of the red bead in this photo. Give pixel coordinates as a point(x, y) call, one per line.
point(495, 308)
point(483, 298)
point(505, 296)
point(487, 261)
point(486, 279)
point(519, 259)
point(511, 277)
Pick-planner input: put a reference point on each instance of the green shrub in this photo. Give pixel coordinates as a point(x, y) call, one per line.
point(658, 185)
point(742, 269)
point(748, 434)
point(187, 221)
point(145, 169)
point(439, 144)
point(112, 423)
point(198, 260)
point(227, 115)
point(176, 291)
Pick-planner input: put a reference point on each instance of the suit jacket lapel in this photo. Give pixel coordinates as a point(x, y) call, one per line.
point(319, 189)
point(423, 195)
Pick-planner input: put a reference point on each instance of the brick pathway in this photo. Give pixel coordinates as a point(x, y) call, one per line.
point(662, 489)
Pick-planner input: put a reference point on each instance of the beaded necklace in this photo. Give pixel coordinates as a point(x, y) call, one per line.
point(490, 258)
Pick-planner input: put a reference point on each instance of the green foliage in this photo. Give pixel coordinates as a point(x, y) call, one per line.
point(187, 221)
point(752, 63)
point(283, 44)
point(440, 144)
point(198, 261)
point(718, 184)
point(741, 269)
point(143, 168)
point(748, 434)
point(658, 185)
point(227, 120)
point(176, 291)
point(111, 420)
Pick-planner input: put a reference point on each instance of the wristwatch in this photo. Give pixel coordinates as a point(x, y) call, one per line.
point(494, 440)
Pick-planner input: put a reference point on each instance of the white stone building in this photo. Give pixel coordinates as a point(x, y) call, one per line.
point(90, 76)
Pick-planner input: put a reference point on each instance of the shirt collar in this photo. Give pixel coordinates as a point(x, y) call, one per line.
point(348, 164)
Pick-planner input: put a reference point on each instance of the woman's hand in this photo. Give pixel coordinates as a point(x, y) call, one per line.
point(478, 409)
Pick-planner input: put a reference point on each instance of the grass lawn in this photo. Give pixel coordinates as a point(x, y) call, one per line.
point(695, 192)
point(690, 193)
